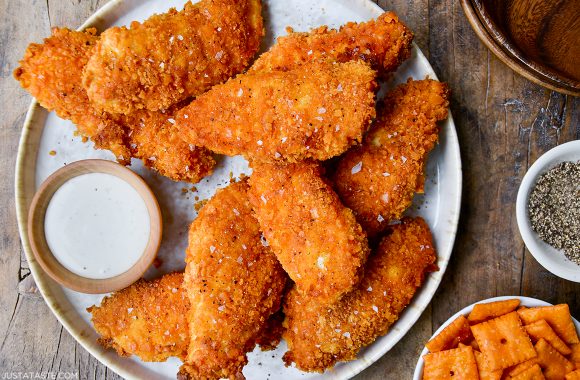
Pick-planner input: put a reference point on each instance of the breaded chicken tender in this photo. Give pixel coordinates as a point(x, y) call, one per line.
point(316, 239)
point(51, 72)
point(385, 43)
point(173, 56)
point(314, 111)
point(152, 136)
point(319, 336)
point(147, 319)
point(234, 283)
point(379, 178)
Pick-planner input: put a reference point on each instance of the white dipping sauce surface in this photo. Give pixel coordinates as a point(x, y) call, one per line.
point(97, 225)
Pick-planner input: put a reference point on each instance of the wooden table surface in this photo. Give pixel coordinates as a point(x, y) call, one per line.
point(504, 124)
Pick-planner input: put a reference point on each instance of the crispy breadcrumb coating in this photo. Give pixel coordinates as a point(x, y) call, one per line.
point(152, 136)
point(173, 56)
point(319, 336)
point(147, 319)
point(51, 72)
point(378, 178)
point(234, 283)
point(385, 43)
point(314, 111)
point(271, 334)
point(316, 239)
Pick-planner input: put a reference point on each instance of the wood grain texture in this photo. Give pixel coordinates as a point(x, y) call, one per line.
point(546, 31)
point(544, 51)
point(504, 124)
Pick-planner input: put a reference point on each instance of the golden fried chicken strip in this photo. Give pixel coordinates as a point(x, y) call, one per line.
point(319, 336)
point(385, 43)
point(173, 56)
point(152, 136)
point(147, 319)
point(316, 239)
point(234, 283)
point(314, 111)
point(378, 178)
point(51, 72)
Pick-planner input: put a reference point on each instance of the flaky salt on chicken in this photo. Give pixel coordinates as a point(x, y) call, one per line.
point(379, 178)
point(52, 71)
point(317, 239)
point(147, 319)
point(317, 110)
point(173, 56)
point(319, 336)
point(234, 284)
point(384, 43)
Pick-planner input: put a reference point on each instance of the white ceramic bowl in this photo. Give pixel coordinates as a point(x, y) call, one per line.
point(524, 301)
point(550, 258)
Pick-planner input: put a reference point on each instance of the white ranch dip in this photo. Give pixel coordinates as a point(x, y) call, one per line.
point(97, 225)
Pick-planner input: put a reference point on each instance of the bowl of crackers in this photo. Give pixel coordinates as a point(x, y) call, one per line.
point(504, 338)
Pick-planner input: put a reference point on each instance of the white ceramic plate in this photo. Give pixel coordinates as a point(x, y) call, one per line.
point(44, 132)
point(549, 257)
point(524, 301)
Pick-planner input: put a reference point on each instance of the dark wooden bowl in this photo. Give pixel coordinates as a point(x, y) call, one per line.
point(539, 39)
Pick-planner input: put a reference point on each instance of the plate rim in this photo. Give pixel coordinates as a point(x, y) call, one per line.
point(97, 352)
point(523, 301)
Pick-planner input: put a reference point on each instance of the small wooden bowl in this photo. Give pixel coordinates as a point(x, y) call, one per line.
point(43, 254)
point(538, 39)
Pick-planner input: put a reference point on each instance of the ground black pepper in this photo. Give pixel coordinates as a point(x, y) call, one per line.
point(554, 208)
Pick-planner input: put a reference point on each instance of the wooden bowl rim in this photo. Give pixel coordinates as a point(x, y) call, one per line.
point(45, 257)
point(486, 30)
point(498, 34)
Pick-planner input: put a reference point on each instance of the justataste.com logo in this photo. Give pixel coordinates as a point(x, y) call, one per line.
point(40, 375)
